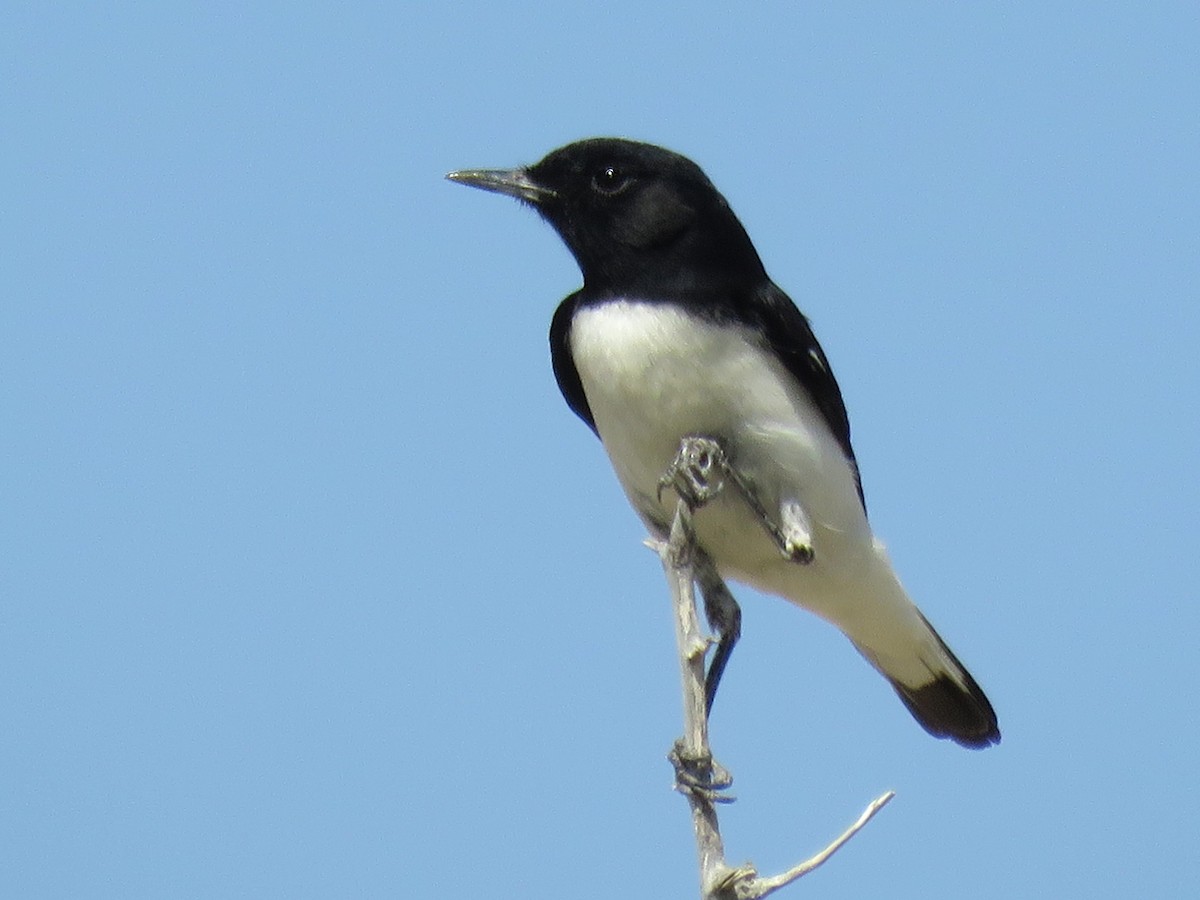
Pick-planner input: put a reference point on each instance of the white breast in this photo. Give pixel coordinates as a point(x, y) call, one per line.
point(653, 373)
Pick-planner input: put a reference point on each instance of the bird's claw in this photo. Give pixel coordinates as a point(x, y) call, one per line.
point(700, 776)
point(698, 472)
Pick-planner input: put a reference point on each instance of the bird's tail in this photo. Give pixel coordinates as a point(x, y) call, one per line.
point(949, 704)
point(899, 641)
point(874, 611)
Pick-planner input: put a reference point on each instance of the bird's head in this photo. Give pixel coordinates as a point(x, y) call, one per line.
point(632, 214)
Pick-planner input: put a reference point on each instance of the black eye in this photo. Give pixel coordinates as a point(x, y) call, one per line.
point(611, 181)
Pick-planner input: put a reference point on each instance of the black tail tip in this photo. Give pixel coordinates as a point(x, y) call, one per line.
point(947, 709)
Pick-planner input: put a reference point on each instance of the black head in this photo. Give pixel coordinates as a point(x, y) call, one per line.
point(634, 215)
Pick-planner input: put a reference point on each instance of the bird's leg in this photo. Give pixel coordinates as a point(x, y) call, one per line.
point(793, 535)
point(724, 617)
point(699, 472)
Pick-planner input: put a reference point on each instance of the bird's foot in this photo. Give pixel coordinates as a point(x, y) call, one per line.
point(698, 471)
point(700, 775)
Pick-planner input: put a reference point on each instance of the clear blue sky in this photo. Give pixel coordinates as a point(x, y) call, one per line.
point(310, 584)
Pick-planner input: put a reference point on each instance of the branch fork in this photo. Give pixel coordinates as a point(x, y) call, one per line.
point(699, 472)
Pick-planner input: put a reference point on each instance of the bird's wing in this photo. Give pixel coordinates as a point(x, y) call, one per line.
point(564, 364)
point(790, 336)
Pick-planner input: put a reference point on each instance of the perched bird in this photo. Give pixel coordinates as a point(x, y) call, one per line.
point(677, 332)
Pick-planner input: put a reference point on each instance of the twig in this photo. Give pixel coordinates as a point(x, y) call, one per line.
point(766, 886)
point(697, 775)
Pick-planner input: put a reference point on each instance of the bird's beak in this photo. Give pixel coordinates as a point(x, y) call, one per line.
point(513, 182)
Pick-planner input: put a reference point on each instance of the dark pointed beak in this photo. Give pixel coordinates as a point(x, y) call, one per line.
point(513, 182)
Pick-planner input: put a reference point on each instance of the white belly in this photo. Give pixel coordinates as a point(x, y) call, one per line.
point(653, 373)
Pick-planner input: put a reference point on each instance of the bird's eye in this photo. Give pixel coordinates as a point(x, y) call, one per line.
point(611, 181)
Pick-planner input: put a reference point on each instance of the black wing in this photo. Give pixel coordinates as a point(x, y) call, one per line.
point(564, 364)
point(789, 335)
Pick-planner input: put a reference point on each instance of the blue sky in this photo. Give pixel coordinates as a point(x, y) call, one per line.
point(310, 584)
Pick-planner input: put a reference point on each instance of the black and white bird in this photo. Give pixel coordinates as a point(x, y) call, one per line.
point(678, 331)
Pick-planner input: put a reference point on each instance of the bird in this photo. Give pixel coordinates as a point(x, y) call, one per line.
point(678, 333)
